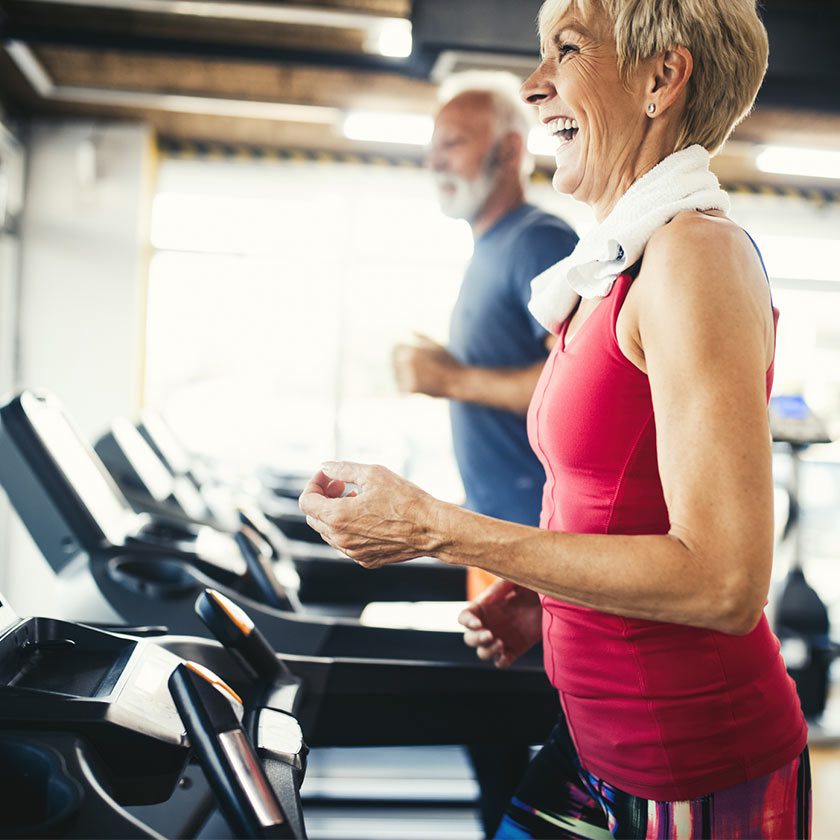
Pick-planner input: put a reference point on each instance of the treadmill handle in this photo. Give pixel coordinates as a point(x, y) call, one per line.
point(260, 570)
point(252, 517)
point(143, 632)
point(245, 796)
point(232, 626)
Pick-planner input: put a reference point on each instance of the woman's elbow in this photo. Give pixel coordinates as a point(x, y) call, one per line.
point(741, 623)
point(737, 605)
point(739, 612)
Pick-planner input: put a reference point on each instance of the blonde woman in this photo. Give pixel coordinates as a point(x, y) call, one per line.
point(653, 558)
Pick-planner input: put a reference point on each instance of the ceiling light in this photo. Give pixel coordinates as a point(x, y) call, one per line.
point(266, 12)
point(393, 39)
point(789, 160)
point(540, 142)
point(408, 129)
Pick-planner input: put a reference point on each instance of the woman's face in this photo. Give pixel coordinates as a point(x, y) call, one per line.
point(599, 122)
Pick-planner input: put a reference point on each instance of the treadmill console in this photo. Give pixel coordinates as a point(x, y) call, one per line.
point(7, 615)
point(149, 471)
point(158, 435)
point(57, 675)
point(793, 422)
point(56, 483)
point(137, 467)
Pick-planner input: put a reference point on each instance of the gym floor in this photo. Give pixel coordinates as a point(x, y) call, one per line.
point(825, 769)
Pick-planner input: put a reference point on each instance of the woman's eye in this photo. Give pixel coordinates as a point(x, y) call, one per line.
point(565, 49)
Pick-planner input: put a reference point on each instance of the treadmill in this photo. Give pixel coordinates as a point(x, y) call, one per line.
point(326, 576)
point(92, 743)
point(94, 746)
point(802, 620)
point(278, 493)
point(128, 568)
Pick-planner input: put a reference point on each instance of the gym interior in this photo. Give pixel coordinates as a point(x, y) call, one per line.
point(217, 224)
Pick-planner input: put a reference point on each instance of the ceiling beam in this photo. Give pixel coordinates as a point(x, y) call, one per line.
point(35, 73)
point(39, 34)
point(294, 15)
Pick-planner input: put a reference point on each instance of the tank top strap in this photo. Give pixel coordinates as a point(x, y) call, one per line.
point(619, 292)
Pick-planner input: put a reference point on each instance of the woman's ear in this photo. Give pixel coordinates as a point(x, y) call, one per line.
point(669, 77)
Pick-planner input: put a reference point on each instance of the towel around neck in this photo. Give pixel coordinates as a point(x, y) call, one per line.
point(683, 181)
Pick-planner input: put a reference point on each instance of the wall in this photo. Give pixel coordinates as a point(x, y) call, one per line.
point(84, 255)
point(11, 189)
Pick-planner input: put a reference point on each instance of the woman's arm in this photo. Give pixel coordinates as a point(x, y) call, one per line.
point(704, 336)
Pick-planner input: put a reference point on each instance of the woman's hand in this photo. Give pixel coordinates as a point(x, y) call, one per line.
point(372, 515)
point(503, 623)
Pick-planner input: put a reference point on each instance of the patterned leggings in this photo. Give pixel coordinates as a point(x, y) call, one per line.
point(559, 799)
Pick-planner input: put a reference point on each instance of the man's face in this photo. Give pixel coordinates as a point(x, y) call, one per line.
point(462, 155)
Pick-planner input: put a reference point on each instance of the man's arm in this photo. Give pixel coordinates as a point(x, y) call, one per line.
point(430, 369)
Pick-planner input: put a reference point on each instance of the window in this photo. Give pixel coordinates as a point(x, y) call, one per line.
point(277, 292)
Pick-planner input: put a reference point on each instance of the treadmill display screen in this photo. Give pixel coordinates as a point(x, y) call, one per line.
point(790, 407)
point(142, 457)
point(165, 441)
point(103, 501)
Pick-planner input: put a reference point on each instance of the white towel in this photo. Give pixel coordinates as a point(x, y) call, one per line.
point(683, 181)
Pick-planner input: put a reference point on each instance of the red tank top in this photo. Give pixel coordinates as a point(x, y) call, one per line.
point(661, 711)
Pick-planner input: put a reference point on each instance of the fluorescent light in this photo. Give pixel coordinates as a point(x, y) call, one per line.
point(789, 160)
point(296, 15)
point(408, 129)
point(393, 39)
point(540, 142)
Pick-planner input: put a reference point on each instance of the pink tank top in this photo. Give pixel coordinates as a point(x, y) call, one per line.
point(661, 711)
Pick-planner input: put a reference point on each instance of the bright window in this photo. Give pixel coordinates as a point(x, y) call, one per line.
point(277, 293)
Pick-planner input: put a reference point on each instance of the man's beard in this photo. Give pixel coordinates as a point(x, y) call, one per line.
point(468, 196)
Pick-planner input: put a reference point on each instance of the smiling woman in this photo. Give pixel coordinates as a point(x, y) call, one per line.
point(652, 563)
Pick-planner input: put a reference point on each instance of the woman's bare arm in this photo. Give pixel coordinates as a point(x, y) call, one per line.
point(705, 339)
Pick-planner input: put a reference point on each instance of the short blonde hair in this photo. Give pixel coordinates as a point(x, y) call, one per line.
point(726, 38)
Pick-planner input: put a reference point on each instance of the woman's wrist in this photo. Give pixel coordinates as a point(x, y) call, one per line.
point(440, 537)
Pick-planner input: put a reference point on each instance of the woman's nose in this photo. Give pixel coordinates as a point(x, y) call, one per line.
point(536, 89)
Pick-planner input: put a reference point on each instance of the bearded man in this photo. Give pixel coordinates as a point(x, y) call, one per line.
point(480, 163)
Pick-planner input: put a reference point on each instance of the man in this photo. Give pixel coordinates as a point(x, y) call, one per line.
point(480, 162)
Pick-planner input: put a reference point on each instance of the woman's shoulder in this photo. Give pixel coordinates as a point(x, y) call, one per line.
point(696, 246)
point(692, 233)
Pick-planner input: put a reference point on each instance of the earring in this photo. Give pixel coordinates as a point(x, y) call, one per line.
point(651, 109)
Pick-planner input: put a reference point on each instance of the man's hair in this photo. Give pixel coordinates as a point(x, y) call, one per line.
point(512, 115)
point(726, 38)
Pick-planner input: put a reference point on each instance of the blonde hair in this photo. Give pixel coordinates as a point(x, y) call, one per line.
point(727, 41)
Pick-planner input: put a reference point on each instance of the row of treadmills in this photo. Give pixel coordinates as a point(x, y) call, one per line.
point(208, 640)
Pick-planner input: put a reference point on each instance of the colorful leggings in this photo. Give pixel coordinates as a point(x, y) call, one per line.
point(559, 799)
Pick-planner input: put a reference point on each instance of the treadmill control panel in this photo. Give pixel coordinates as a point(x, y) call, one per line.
point(80, 467)
point(149, 469)
point(95, 676)
point(7, 615)
point(792, 421)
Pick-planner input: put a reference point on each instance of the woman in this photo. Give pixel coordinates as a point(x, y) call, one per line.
point(653, 559)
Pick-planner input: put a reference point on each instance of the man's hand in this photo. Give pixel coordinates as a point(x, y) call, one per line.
point(425, 367)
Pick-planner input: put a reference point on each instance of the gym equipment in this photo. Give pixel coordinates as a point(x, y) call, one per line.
point(84, 711)
point(151, 486)
point(93, 746)
point(277, 493)
point(325, 575)
point(130, 568)
point(801, 617)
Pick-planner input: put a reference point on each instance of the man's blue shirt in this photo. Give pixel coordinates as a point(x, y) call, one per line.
point(492, 327)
